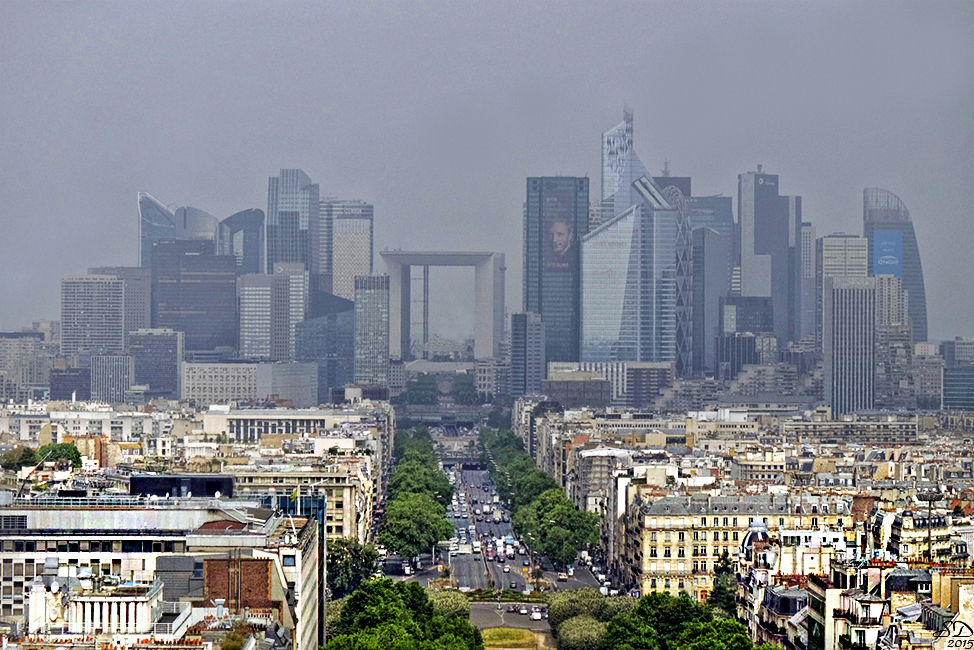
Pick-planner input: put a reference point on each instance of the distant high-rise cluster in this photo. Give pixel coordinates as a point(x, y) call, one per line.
point(648, 279)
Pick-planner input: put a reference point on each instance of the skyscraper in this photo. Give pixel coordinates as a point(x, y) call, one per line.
point(328, 339)
point(527, 354)
point(621, 167)
point(271, 306)
point(712, 261)
point(895, 389)
point(156, 356)
point(138, 293)
point(372, 330)
point(194, 291)
point(555, 219)
point(770, 226)
point(629, 283)
point(242, 235)
point(351, 228)
point(840, 256)
point(849, 335)
point(92, 314)
point(684, 278)
point(293, 226)
point(111, 376)
point(158, 222)
point(893, 250)
point(808, 325)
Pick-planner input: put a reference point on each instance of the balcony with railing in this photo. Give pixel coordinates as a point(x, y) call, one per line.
point(855, 619)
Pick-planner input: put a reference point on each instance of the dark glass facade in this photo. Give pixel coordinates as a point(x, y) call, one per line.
point(884, 215)
point(71, 382)
point(157, 355)
point(194, 291)
point(242, 235)
point(745, 314)
point(328, 339)
point(156, 222)
point(959, 388)
point(712, 268)
point(555, 219)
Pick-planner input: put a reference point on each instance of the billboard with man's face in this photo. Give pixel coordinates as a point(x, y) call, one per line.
point(560, 249)
point(888, 253)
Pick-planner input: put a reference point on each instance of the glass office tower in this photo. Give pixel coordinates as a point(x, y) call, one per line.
point(629, 283)
point(893, 250)
point(555, 219)
point(621, 167)
point(293, 228)
point(156, 222)
point(242, 235)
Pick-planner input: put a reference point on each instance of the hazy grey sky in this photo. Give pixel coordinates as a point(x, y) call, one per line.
point(437, 111)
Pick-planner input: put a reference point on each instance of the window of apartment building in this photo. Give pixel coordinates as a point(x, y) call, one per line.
point(781, 521)
point(666, 536)
point(652, 551)
point(666, 551)
point(679, 585)
point(725, 521)
point(681, 552)
point(735, 522)
point(696, 566)
point(840, 522)
point(703, 566)
point(666, 583)
point(696, 536)
point(703, 536)
point(287, 560)
point(725, 549)
point(703, 521)
point(652, 583)
point(735, 535)
point(814, 522)
point(725, 535)
point(681, 536)
point(652, 537)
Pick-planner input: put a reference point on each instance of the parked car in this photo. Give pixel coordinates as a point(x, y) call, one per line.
point(562, 577)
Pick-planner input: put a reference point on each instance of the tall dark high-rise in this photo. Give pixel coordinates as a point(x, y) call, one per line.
point(293, 226)
point(893, 250)
point(242, 235)
point(328, 339)
point(527, 354)
point(372, 330)
point(555, 219)
point(194, 291)
point(712, 264)
point(771, 228)
point(157, 355)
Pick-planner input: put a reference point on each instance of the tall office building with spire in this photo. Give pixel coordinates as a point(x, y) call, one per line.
point(893, 250)
point(621, 167)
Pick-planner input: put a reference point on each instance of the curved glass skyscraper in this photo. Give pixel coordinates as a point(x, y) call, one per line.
point(893, 250)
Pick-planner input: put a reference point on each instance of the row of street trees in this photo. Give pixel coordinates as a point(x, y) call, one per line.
point(586, 620)
point(543, 515)
point(416, 497)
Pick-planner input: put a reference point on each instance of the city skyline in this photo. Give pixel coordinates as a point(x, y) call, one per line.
point(827, 129)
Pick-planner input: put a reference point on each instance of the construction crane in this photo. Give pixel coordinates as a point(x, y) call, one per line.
point(23, 484)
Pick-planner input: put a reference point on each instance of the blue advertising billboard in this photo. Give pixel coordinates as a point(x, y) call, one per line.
point(888, 253)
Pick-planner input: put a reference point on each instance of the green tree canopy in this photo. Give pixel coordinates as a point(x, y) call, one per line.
point(18, 457)
point(580, 633)
point(413, 524)
point(721, 634)
point(725, 587)
point(655, 623)
point(349, 564)
point(64, 450)
point(450, 602)
point(383, 615)
point(415, 477)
